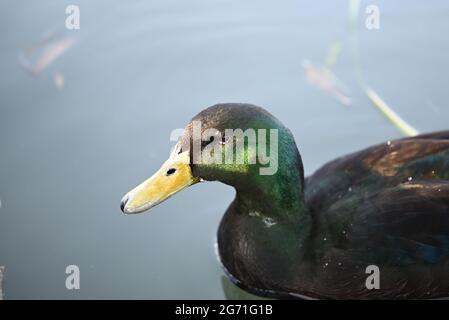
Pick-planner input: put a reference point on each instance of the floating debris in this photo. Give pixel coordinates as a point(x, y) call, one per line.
point(333, 54)
point(47, 50)
point(58, 78)
point(354, 8)
point(390, 114)
point(325, 80)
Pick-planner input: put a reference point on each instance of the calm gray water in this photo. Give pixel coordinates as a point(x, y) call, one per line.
point(143, 68)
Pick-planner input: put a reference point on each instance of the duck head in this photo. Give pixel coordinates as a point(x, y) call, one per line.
point(240, 145)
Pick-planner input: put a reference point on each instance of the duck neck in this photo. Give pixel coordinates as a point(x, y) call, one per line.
point(278, 200)
point(265, 232)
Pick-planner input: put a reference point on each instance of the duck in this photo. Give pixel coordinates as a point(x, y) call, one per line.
point(373, 224)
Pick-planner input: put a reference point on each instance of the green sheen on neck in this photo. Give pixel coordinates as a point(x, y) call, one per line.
point(278, 199)
point(282, 190)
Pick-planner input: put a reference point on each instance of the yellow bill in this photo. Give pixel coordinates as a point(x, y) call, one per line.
point(173, 176)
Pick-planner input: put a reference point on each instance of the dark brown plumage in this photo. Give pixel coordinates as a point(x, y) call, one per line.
point(395, 197)
point(387, 205)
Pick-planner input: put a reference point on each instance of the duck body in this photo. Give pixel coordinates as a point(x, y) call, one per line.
point(387, 206)
point(384, 209)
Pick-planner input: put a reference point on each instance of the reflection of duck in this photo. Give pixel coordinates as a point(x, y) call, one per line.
point(283, 236)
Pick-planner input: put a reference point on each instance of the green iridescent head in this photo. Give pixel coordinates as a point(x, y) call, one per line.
point(238, 144)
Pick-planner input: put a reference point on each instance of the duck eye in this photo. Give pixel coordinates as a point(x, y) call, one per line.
point(206, 142)
point(171, 171)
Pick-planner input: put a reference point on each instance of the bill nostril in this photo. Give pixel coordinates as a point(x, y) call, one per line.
point(170, 171)
point(123, 203)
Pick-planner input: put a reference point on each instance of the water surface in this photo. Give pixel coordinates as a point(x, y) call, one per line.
point(143, 68)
